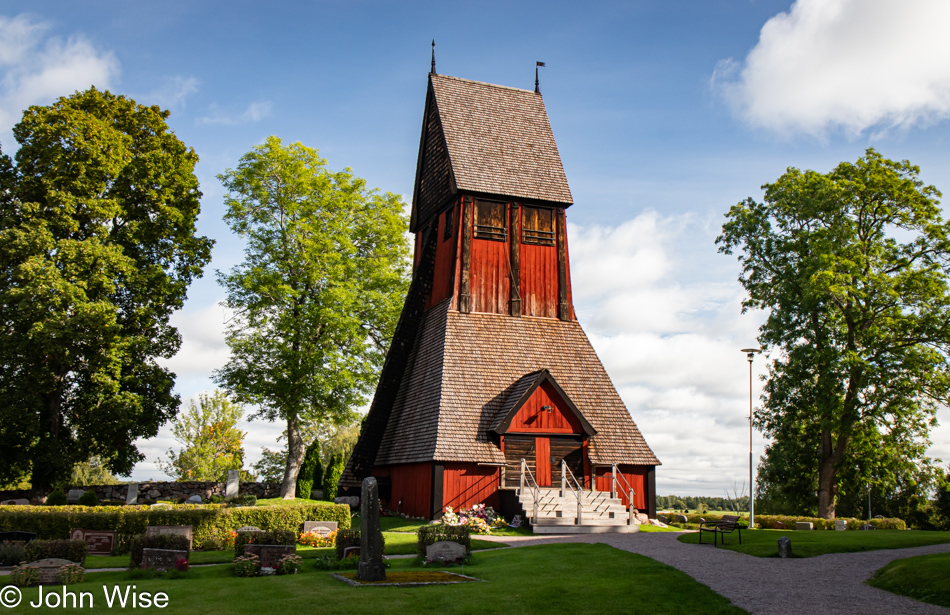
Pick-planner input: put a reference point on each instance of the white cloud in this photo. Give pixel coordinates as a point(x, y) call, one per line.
point(36, 69)
point(255, 112)
point(671, 346)
point(173, 93)
point(849, 65)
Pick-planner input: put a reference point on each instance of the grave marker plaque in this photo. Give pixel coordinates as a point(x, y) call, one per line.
point(49, 569)
point(182, 530)
point(321, 527)
point(234, 484)
point(445, 551)
point(132, 495)
point(98, 542)
point(162, 559)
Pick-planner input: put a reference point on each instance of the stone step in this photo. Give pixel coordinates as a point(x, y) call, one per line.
point(585, 529)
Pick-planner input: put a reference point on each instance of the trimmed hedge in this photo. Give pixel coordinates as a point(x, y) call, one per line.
point(350, 538)
point(766, 521)
point(214, 521)
point(73, 550)
point(431, 534)
point(273, 537)
point(139, 543)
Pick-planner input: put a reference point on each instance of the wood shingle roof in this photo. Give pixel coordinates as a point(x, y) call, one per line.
point(494, 140)
point(464, 367)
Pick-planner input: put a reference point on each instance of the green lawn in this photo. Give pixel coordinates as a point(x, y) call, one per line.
point(563, 578)
point(925, 577)
point(764, 543)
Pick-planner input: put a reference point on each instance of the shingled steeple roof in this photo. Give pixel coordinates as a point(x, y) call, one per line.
point(485, 139)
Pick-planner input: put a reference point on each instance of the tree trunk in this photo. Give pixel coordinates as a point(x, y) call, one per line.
point(49, 458)
point(295, 453)
point(828, 457)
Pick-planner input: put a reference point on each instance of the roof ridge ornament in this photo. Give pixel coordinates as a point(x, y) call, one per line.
point(432, 70)
point(537, 85)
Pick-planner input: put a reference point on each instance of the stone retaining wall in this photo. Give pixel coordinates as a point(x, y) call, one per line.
point(166, 490)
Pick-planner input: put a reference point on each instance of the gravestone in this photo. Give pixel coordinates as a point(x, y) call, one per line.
point(841, 525)
point(681, 519)
point(371, 566)
point(868, 526)
point(662, 519)
point(234, 484)
point(351, 552)
point(16, 536)
point(269, 555)
point(248, 528)
point(49, 569)
point(785, 547)
point(73, 495)
point(323, 528)
point(162, 559)
point(15, 502)
point(804, 525)
point(181, 530)
point(98, 542)
point(132, 494)
point(445, 551)
point(353, 501)
point(195, 499)
point(778, 525)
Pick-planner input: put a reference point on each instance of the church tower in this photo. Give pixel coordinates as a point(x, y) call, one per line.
point(490, 380)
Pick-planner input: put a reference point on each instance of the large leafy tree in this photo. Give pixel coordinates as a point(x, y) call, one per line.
point(852, 268)
point(97, 249)
point(318, 294)
point(211, 443)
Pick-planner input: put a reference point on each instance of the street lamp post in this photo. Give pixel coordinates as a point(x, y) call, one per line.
point(750, 354)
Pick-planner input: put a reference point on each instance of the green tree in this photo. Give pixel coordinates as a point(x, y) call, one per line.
point(851, 266)
point(318, 294)
point(211, 442)
point(91, 472)
point(97, 249)
point(331, 477)
point(311, 471)
point(270, 467)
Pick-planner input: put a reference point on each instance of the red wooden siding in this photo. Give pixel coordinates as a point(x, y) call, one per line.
point(444, 259)
point(539, 280)
point(412, 484)
point(636, 476)
point(543, 460)
point(490, 278)
point(467, 484)
point(532, 418)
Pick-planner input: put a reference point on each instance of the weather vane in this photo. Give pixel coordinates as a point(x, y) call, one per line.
point(432, 70)
point(537, 85)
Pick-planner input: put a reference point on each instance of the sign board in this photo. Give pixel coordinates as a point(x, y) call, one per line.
point(98, 542)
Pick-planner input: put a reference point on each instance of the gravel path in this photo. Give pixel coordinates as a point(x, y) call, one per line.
point(826, 584)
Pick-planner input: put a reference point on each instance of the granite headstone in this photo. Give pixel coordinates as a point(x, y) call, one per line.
point(162, 559)
point(371, 566)
point(98, 542)
point(785, 547)
point(49, 569)
point(132, 494)
point(445, 551)
point(182, 530)
point(234, 484)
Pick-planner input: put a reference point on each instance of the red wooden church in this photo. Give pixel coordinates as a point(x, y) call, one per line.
point(491, 389)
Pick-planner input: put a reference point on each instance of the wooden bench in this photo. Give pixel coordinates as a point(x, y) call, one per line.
point(726, 525)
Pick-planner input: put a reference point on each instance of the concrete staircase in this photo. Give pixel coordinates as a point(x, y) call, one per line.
point(557, 514)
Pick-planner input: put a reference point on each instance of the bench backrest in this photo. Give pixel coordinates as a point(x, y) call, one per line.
point(728, 522)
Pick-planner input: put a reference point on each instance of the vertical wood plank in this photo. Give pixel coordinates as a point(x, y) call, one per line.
point(562, 306)
point(543, 461)
point(514, 243)
point(464, 292)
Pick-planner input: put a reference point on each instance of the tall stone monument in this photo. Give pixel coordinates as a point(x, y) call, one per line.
point(233, 486)
point(371, 566)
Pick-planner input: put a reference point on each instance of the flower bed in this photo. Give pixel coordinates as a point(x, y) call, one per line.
point(479, 519)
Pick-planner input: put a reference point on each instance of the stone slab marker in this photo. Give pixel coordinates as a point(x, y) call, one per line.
point(132, 495)
point(371, 566)
point(785, 547)
point(234, 483)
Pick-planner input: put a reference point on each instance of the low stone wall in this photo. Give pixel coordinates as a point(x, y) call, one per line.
point(166, 490)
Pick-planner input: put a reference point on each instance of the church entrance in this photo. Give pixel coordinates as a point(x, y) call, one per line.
point(543, 455)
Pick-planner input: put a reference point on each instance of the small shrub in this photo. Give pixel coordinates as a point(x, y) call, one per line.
point(246, 566)
point(212, 544)
point(88, 498)
point(24, 576)
point(113, 503)
point(276, 537)
point(431, 534)
point(72, 573)
point(73, 550)
point(162, 541)
point(56, 498)
point(346, 539)
point(11, 553)
point(289, 564)
point(328, 562)
point(216, 499)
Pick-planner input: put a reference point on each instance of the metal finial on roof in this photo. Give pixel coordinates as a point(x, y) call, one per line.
point(537, 85)
point(432, 70)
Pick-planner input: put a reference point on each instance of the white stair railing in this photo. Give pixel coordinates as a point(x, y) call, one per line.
point(533, 485)
point(613, 493)
point(578, 493)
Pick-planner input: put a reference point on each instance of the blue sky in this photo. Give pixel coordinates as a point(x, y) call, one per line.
point(665, 114)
